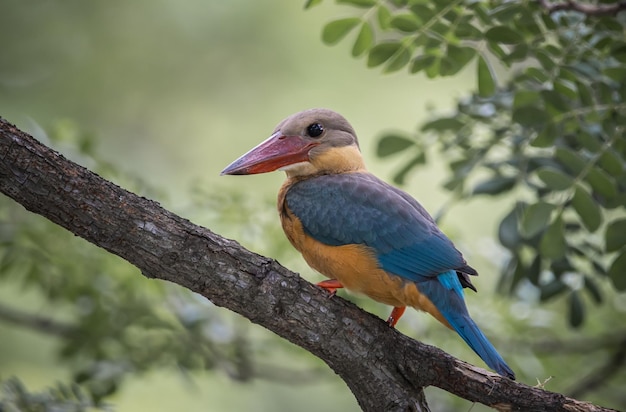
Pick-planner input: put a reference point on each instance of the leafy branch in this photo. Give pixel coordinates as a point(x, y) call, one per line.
point(588, 9)
point(551, 137)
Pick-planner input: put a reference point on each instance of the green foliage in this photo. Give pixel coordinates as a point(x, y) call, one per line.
point(338, 29)
point(14, 397)
point(550, 136)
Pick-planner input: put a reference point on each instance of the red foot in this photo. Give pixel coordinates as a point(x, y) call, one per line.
point(331, 285)
point(395, 316)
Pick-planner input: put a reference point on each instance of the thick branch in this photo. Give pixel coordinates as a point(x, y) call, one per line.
point(384, 369)
point(588, 9)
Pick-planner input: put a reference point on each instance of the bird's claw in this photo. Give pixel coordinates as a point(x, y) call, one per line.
point(331, 285)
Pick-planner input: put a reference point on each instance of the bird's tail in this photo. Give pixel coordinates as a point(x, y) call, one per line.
point(474, 337)
point(447, 295)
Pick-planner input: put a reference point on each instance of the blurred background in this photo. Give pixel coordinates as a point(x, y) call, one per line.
point(160, 96)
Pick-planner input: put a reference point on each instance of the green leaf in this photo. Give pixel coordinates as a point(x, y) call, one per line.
point(392, 143)
point(584, 69)
point(566, 89)
point(525, 98)
point(311, 3)
point(460, 55)
point(589, 141)
point(508, 231)
point(554, 99)
point(486, 78)
point(406, 22)
point(495, 185)
point(498, 51)
point(422, 62)
point(609, 24)
point(519, 53)
point(398, 61)
point(358, 3)
point(439, 28)
point(572, 161)
point(448, 67)
point(551, 289)
point(424, 12)
point(468, 31)
point(432, 71)
point(504, 35)
point(451, 16)
point(401, 175)
point(364, 40)
point(617, 73)
point(338, 29)
point(537, 74)
point(618, 52)
point(514, 273)
point(381, 53)
point(544, 58)
point(443, 124)
point(587, 209)
point(593, 289)
point(535, 218)
point(601, 183)
point(546, 136)
point(505, 12)
point(530, 116)
point(554, 178)
point(584, 94)
point(534, 271)
point(548, 21)
point(617, 272)
point(481, 10)
point(599, 268)
point(615, 236)
point(553, 245)
point(576, 310)
point(611, 163)
point(384, 17)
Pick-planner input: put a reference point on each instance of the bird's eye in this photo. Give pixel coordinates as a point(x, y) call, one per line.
point(315, 130)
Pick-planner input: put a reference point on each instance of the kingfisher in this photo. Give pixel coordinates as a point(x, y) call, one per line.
point(360, 232)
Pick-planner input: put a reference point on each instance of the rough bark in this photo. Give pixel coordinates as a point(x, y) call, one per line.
point(385, 370)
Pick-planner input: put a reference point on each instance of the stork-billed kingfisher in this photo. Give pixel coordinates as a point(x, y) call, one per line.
point(360, 232)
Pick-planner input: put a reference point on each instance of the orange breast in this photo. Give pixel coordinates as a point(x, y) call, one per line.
point(355, 266)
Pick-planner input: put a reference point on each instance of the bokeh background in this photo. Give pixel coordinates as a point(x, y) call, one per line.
point(171, 92)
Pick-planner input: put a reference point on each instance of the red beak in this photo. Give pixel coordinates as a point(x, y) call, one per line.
point(275, 152)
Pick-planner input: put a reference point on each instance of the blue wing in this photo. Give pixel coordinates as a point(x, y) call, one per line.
point(358, 208)
point(361, 209)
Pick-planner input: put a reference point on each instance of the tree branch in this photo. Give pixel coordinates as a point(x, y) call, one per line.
point(588, 9)
point(613, 339)
point(605, 372)
point(384, 369)
point(36, 322)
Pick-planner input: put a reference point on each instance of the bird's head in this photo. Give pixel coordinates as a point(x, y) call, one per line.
point(309, 142)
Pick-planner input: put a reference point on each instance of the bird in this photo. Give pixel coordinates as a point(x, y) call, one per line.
point(363, 234)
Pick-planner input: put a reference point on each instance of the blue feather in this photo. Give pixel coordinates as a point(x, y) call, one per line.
point(452, 307)
point(358, 208)
point(361, 209)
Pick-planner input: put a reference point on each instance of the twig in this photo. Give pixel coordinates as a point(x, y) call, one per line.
point(587, 9)
point(613, 365)
point(583, 345)
point(36, 322)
